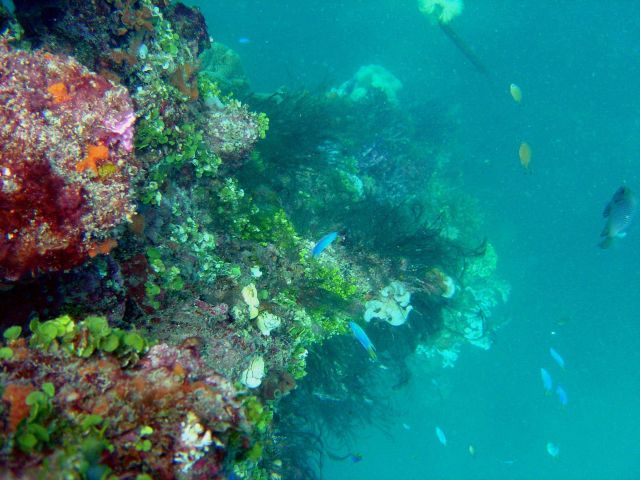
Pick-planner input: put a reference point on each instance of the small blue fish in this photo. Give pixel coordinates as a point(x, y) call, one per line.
point(547, 382)
point(361, 336)
point(442, 438)
point(557, 357)
point(356, 457)
point(562, 395)
point(244, 40)
point(323, 243)
point(619, 213)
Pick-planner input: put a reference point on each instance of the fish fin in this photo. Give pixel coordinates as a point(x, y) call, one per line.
point(621, 234)
point(607, 209)
point(619, 196)
point(606, 242)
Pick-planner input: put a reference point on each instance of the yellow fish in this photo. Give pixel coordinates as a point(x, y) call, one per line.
point(524, 152)
point(515, 92)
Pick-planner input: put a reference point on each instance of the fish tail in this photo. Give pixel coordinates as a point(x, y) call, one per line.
point(372, 353)
point(606, 242)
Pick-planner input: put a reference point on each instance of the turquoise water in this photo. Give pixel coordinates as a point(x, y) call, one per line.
point(578, 65)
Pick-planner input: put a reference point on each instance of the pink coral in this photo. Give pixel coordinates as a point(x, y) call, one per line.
point(66, 167)
point(122, 128)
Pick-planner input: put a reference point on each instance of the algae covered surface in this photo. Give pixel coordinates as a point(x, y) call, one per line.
point(245, 241)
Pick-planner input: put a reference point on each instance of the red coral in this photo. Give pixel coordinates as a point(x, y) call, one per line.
point(58, 124)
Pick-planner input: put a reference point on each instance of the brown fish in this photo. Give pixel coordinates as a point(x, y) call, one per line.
point(524, 152)
point(619, 213)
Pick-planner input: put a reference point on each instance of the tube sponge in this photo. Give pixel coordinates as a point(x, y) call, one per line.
point(446, 10)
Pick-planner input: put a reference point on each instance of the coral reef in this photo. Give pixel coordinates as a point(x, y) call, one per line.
point(267, 322)
point(216, 262)
point(67, 165)
point(232, 130)
point(468, 317)
point(77, 400)
point(224, 67)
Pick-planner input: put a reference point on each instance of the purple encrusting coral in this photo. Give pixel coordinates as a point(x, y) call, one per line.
point(121, 128)
point(66, 165)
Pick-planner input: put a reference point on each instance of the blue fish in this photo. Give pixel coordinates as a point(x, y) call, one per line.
point(361, 336)
point(356, 457)
point(442, 438)
point(557, 357)
point(244, 40)
point(323, 243)
point(547, 382)
point(562, 395)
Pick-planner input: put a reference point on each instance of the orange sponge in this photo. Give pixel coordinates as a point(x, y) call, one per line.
point(102, 248)
point(16, 395)
point(94, 154)
point(59, 92)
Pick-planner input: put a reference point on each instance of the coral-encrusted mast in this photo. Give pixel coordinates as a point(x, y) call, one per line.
point(66, 162)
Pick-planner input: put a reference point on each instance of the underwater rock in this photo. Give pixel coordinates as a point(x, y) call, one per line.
point(190, 25)
point(224, 66)
point(5, 18)
point(231, 130)
point(111, 36)
point(169, 414)
point(66, 164)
